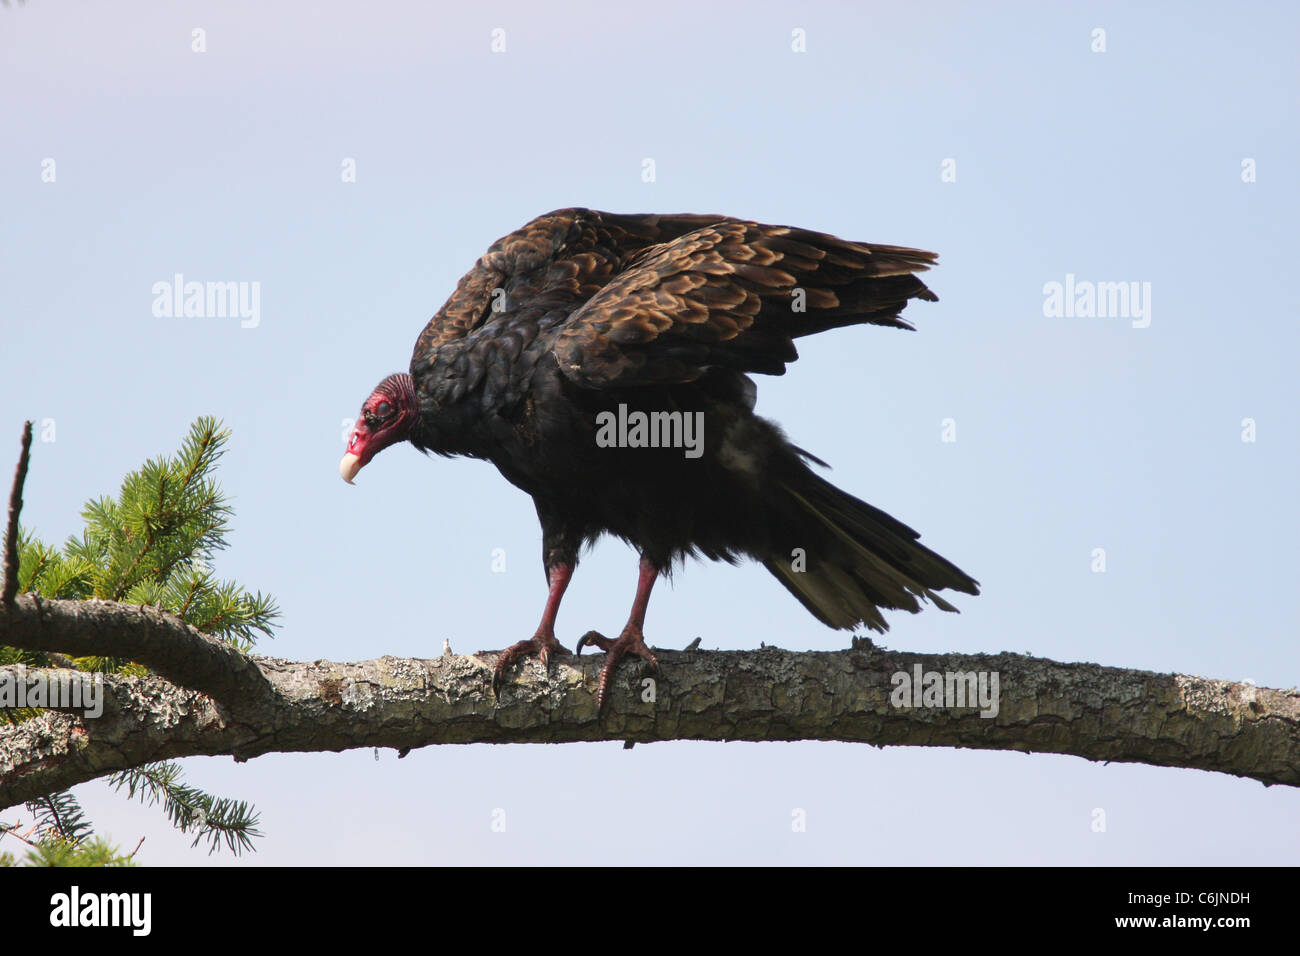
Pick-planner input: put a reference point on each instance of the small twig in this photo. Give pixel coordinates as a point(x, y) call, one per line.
point(11, 532)
point(131, 855)
point(7, 830)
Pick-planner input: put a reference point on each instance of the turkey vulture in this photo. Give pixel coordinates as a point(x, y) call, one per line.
point(601, 362)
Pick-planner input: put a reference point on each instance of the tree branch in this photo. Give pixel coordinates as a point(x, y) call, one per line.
point(1100, 713)
point(11, 529)
point(158, 640)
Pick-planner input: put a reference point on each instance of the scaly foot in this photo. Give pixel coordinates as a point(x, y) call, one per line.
point(631, 641)
point(543, 645)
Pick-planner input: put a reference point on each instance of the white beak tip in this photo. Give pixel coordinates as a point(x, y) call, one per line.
point(348, 467)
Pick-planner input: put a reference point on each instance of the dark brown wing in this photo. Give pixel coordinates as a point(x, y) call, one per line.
point(522, 251)
point(576, 248)
point(733, 294)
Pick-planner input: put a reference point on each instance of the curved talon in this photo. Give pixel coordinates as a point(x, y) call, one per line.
point(541, 645)
point(545, 654)
point(594, 639)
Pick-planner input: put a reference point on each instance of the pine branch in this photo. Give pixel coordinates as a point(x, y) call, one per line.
point(150, 546)
point(59, 816)
point(92, 852)
point(189, 809)
point(169, 513)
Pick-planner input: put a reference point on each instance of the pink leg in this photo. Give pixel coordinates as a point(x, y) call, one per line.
point(559, 579)
point(543, 643)
point(631, 641)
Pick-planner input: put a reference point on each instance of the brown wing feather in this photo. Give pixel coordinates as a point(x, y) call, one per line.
point(521, 251)
point(734, 294)
point(575, 249)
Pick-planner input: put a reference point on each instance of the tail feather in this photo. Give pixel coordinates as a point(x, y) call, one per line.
point(868, 561)
point(826, 599)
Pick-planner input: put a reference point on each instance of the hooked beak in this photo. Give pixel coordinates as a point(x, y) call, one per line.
point(349, 466)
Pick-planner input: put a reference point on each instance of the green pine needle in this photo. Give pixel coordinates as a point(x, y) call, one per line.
point(190, 810)
point(59, 816)
point(152, 544)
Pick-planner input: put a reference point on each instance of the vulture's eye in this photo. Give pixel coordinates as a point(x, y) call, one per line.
point(384, 409)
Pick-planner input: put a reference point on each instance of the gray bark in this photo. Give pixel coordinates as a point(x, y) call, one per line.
point(263, 705)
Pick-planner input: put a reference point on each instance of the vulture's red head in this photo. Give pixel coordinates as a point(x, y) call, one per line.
point(387, 416)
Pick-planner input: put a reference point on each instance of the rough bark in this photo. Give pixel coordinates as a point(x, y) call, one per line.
point(270, 705)
point(161, 641)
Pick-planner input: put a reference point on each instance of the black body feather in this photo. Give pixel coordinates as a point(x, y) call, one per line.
point(580, 313)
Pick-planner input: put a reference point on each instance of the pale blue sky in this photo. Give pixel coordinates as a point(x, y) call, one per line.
point(1072, 433)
